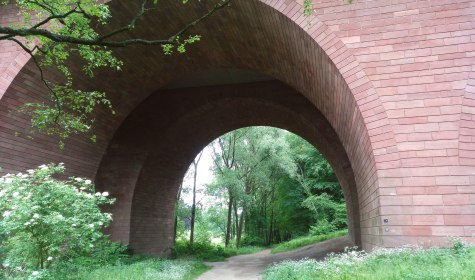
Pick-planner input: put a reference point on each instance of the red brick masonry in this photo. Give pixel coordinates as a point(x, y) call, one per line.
point(386, 90)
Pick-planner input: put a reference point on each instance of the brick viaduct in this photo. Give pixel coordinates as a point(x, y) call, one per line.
point(385, 89)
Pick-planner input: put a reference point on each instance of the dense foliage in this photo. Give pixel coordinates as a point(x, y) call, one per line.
point(269, 186)
point(306, 240)
point(398, 263)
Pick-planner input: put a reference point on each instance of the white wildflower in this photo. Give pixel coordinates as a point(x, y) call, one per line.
point(15, 194)
point(73, 225)
point(105, 194)
point(8, 180)
point(98, 194)
point(30, 171)
point(43, 167)
point(78, 179)
point(7, 213)
point(91, 225)
point(50, 258)
point(36, 216)
point(35, 273)
point(87, 182)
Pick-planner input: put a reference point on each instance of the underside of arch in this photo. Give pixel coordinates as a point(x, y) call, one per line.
point(264, 38)
point(172, 126)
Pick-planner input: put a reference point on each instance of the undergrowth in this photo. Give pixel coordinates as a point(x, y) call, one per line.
point(412, 263)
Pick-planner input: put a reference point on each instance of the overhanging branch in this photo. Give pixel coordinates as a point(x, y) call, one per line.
point(101, 40)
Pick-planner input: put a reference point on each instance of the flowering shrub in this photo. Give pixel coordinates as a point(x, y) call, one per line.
point(44, 219)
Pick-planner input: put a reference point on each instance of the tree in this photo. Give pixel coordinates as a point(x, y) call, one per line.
point(196, 161)
point(324, 196)
point(224, 152)
point(53, 30)
point(245, 161)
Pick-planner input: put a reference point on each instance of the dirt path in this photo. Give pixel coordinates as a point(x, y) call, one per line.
point(247, 267)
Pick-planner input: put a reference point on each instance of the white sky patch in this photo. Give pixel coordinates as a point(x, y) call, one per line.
point(204, 177)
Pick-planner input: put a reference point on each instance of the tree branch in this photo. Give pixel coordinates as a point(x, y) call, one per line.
point(54, 16)
point(32, 55)
point(128, 26)
point(194, 23)
point(59, 38)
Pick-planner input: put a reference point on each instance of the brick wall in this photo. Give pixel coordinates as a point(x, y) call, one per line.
point(394, 79)
point(175, 125)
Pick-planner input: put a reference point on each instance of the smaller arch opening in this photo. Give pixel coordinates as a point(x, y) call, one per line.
point(150, 153)
point(259, 186)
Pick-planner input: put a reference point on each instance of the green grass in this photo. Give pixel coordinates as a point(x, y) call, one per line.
point(150, 269)
point(210, 252)
point(306, 240)
point(393, 264)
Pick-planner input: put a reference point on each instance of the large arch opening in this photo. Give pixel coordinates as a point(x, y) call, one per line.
point(309, 85)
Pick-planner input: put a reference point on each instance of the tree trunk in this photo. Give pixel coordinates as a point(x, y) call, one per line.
point(229, 222)
point(271, 227)
point(236, 218)
point(239, 229)
point(193, 207)
point(193, 212)
point(176, 217)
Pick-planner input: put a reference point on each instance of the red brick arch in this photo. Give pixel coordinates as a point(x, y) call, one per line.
point(154, 164)
point(389, 78)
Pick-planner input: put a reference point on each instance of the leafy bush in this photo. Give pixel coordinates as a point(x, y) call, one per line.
point(45, 221)
point(200, 250)
point(397, 263)
point(306, 240)
point(322, 227)
point(207, 251)
point(252, 241)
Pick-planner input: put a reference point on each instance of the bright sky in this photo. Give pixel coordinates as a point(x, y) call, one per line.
point(205, 176)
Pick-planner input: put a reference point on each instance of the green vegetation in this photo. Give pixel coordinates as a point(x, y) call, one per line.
point(306, 240)
point(400, 263)
point(205, 251)
point(269, 187)
point(46, 220)
point(54, 31)
point(149, 269)
point(51, 229)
